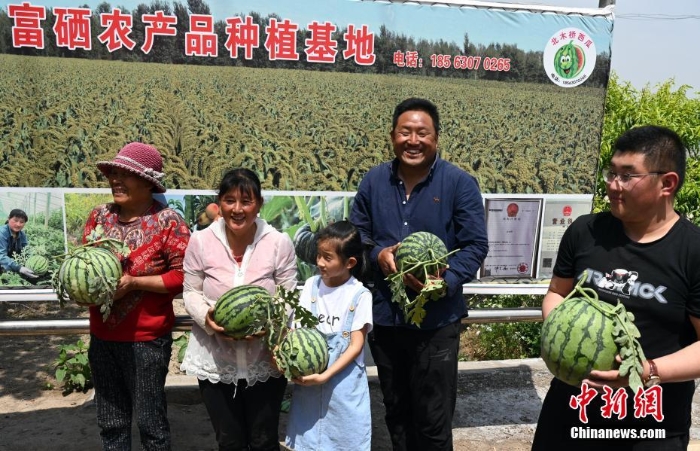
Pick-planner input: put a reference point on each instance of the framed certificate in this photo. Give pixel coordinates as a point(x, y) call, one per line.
point(558, 216)
point(512, 226)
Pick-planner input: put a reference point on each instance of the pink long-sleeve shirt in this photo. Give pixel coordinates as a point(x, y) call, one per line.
point(210, 271)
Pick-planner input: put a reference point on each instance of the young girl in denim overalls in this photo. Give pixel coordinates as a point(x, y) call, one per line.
point(331, 411)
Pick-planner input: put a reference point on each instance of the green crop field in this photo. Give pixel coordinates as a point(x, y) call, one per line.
point(299, 130)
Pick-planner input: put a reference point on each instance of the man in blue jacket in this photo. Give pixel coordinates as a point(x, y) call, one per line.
point(418, 191)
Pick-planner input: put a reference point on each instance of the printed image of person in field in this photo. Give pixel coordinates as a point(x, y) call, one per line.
point(12, 241)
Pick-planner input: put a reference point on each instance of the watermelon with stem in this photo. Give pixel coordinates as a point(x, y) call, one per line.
point(423, 255)
point(88, 275)
point(243, 310)
point(302, 352)
point(583, 333)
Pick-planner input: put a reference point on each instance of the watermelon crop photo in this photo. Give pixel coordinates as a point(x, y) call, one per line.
point(39, 264)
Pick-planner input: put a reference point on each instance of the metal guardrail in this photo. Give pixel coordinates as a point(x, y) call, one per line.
point(184, 323)
point(536, 288)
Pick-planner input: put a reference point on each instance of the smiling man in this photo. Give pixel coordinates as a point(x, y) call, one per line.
point(418, 191)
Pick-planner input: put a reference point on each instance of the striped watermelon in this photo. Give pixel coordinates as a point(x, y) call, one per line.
point(302, 352)
point(89, 275)
point(306, 244)
point(38, 263)
point(243, 310)
point(577, 338)
point(421, 253)
point(583, 333)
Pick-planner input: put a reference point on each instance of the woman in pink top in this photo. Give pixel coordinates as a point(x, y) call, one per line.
point(240, 387)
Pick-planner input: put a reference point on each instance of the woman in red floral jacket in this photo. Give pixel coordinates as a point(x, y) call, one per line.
point(130, 350)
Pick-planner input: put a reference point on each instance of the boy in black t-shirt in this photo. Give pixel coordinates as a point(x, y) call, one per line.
point(645, 255)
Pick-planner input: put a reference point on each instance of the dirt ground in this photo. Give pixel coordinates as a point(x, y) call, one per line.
point(496, 410)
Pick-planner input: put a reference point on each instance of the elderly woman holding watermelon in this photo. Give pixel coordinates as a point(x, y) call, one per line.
point(130, 346)
point(238, 253)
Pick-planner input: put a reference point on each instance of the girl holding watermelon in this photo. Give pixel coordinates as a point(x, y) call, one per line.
point(241, 388)
point(324, 405)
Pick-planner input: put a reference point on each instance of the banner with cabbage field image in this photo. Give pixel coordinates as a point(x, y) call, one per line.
point(300, 92)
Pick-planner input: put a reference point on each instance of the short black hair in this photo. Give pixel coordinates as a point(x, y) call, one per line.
point(242, 179)
point(417, 104)
point(17, 213)
point(662, 148)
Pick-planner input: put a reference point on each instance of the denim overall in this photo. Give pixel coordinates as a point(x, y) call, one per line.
point(335, 415)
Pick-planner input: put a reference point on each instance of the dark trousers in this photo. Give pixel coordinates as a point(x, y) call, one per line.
point(418, 376)
point(131, 377)
point(245, 417)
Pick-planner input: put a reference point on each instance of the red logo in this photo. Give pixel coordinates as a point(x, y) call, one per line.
point(523, 268)
point(567, 210)
point(512, 210)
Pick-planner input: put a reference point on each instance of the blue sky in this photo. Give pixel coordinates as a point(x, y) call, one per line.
point(644, 51)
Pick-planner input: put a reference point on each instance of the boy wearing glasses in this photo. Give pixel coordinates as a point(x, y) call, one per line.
point(645, 255)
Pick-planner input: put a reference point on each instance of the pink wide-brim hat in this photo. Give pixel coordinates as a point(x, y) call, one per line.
point(141, 159)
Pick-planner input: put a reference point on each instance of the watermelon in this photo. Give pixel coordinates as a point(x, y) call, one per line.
point(305, 244)
point(38, 263)
point(576, 338)
point(569, 60)
point(89, 275)
point(420, 254)
point(583, 333)
point(243, 310)
point(302, 352)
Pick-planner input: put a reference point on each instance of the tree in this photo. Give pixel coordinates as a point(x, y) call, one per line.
point(627, 107)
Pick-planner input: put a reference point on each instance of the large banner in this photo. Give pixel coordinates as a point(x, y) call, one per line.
point(300, 92)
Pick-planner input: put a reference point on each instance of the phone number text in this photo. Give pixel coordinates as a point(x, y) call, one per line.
point(469, 62)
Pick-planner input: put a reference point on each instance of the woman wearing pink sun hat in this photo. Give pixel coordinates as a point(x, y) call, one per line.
point(130, 349)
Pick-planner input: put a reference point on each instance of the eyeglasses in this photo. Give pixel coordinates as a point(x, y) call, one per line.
point(610, 176)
